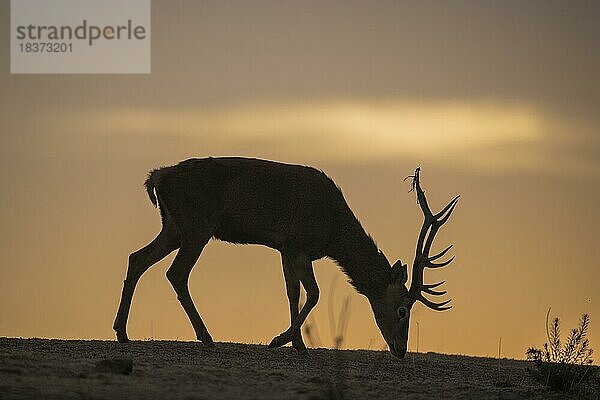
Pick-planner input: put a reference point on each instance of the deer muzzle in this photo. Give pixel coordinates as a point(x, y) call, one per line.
point(397, 348)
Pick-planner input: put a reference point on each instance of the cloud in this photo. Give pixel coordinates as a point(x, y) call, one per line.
point(364, 129)
point(481, 136)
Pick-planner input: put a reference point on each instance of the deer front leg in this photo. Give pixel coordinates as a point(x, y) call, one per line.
point(302, 268)
point(139, 262)
point(292, 285)
point(178, 274)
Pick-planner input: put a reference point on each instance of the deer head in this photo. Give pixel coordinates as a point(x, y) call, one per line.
point(392, 311)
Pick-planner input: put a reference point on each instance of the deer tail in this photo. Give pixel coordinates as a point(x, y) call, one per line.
point(149, 184)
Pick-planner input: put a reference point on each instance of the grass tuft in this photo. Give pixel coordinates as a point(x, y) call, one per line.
point(564, 367)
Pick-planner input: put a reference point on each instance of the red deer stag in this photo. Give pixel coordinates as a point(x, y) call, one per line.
point(296, 210)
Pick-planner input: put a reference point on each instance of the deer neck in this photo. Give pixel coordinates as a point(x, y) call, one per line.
point(359, 258)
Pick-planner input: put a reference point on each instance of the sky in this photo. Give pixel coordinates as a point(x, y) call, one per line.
point(496, 101)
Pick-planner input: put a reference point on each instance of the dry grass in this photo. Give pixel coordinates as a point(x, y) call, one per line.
point(567, 366)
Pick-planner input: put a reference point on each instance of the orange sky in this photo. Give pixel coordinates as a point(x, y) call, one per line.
point(495, 101)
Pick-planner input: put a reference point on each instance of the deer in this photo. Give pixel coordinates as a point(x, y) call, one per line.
point(294, 209)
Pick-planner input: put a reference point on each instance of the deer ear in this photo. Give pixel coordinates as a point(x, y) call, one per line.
point(399, 272)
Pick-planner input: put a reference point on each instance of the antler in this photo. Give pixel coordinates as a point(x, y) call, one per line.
point(431, 224)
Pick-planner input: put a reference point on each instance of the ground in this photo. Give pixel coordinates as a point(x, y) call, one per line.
point(66, 369)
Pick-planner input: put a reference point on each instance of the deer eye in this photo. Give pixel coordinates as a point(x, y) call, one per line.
point(402, 312)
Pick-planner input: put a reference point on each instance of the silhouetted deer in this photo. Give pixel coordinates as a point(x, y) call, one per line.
point(294, 209)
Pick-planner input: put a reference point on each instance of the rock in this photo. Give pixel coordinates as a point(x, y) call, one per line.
point(115, 366)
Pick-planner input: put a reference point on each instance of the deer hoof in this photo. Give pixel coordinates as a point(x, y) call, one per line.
point(278, 341)
point(122, 337)
point(302, 351)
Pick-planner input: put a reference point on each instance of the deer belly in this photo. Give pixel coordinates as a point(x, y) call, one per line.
point(232, 232)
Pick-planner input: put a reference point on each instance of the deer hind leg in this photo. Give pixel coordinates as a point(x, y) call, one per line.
point(292, 285)
point(303, 270)
point(139, 262)
point(178, 274)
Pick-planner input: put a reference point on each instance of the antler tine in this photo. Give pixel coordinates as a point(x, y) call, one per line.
point(434, 285)
point(434, 292)
point(435, 306)
point(438, 215)
point(439, 265)
point(440, 254)
point(448, 210)
point(428, 289)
